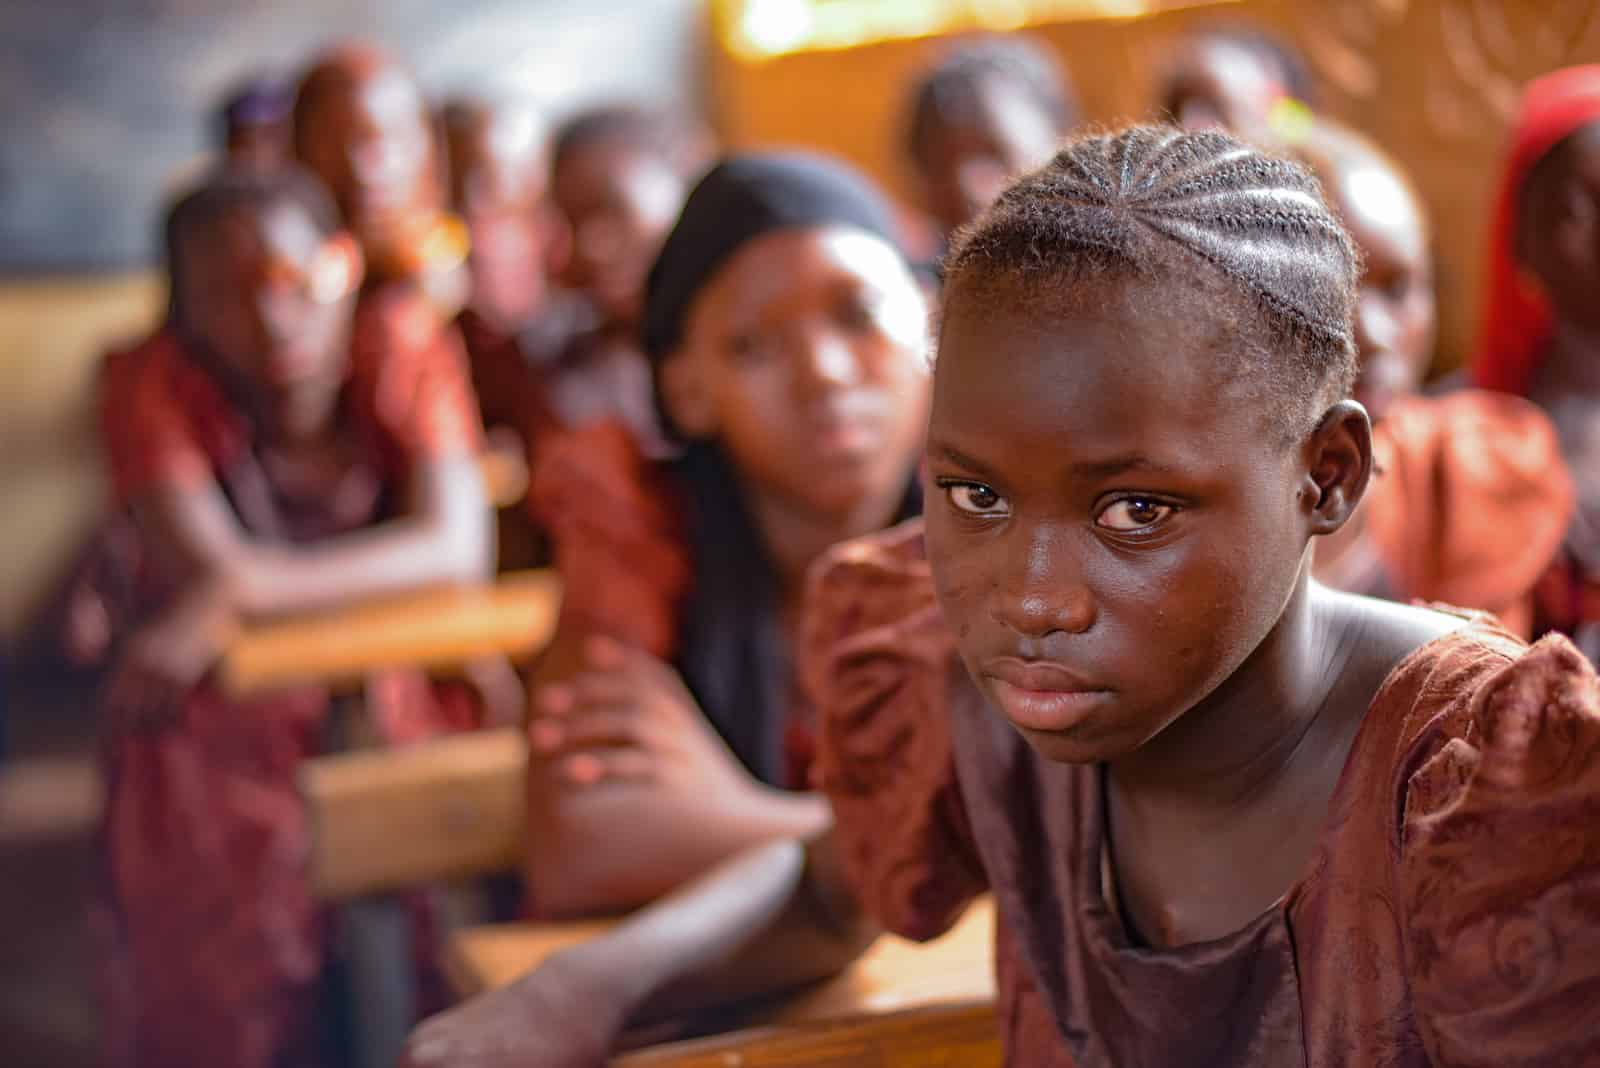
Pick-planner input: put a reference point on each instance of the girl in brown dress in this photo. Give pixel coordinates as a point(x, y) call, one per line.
point(1228, 816)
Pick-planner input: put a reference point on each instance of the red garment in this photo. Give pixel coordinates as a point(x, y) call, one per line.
point(215, 942)
point(618, 534)
point(1516, 324)
point(1447, 918)
point(1469, 502)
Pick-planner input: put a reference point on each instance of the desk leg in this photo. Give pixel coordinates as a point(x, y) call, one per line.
point(375, 945)
point(376, 979)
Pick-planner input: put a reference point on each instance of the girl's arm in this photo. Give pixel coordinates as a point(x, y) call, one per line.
point(445, 537)
point(773, 918)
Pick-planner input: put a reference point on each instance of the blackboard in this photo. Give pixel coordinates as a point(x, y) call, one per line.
point(105, 105)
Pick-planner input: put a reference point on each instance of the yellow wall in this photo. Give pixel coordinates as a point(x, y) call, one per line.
point(51, 488)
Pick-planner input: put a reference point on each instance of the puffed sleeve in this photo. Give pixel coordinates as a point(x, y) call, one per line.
point(1471, 500)
point(618, 539)
point(148, 429)
point(876, 661)
point(1500, 870)
point(412, 381)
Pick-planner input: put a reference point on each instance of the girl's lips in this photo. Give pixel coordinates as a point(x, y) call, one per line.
point(1050, 711)
point(1042, 696)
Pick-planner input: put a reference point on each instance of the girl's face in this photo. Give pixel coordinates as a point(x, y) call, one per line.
point(1220, 85)
point(1395, 308)
point(271, 298)
point(619, 202)
point(968, 159)
point(1113, 523)
point(372, 144)
point(805, 359)
point(498, 174)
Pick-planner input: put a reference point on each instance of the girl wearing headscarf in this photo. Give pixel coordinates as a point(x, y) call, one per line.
point(785, 332)
point(1540, 333)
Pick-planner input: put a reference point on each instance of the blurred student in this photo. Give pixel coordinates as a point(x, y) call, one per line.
point(1236, 77)
point(619, 176)
point(254, 124)
point(985, 112)
point(786, 335)
point(1540, 334)
point(362, 126)
point(1470, 497)
point(280, 450)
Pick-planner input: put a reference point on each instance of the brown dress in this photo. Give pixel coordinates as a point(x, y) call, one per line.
point(1451, 915)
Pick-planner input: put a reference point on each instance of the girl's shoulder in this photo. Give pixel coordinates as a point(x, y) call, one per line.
point(877, 661)
point(1485, 754)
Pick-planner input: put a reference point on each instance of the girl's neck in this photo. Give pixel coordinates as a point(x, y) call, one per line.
point(1249, 736)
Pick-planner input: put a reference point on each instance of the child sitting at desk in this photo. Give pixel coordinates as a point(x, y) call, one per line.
point(787, 337)
point(1229, 817)
point(279, 453)
point(1469, 497)
point(1540, 335)
point(983, 113)
point(361, 125)
point(619, 175)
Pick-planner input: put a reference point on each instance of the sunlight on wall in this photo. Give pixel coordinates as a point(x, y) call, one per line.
point(754, 30)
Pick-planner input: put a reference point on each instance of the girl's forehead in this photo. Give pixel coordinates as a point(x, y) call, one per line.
point(1109, 363)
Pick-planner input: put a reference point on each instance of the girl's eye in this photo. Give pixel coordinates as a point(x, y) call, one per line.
point(1133, 514)
point(751, 348)
point(974, 498)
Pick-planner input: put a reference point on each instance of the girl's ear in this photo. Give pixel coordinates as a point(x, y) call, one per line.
point(686, 395)
point(1338, 466)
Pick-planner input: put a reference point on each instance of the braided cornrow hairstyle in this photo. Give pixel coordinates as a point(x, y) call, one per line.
point(1156, 203)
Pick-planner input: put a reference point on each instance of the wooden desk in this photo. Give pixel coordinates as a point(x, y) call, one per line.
point(433, 629)
point(893, 976)
point(956, 1035)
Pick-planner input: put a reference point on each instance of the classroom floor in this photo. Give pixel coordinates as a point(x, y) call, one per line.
point(49, 802)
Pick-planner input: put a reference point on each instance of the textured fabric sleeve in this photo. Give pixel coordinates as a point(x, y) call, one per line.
point(149, 439)
point(875, 660)
point(1471, 501)
point(617, 536)
point(1500, 870)
point(412, 381)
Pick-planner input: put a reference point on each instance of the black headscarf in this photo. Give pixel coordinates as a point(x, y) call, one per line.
point(731, 650)
point(741, 199)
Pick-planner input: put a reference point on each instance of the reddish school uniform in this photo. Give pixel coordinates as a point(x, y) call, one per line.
point(1451, 914)
point(217, 944)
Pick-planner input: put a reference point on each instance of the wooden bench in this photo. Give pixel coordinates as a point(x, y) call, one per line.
point(389, 819)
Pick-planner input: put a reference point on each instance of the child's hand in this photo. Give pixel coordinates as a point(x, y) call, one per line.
point(557, 1017)
point(628, 717)
point(168, 656)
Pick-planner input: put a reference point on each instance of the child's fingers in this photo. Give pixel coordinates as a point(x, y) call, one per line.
point(608, 765)
point(556, 699)
point(605, 654)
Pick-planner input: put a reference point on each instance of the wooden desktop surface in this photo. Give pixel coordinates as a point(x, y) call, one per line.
point(435, 629)
point(891, 977)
